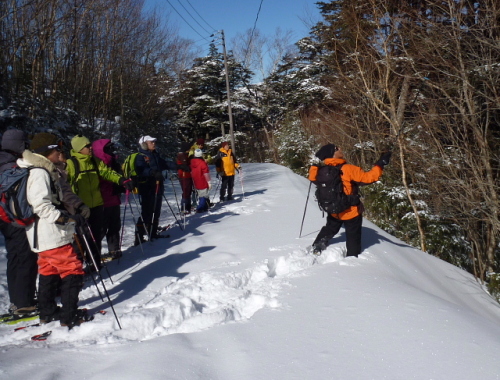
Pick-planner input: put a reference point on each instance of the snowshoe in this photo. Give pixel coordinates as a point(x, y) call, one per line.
point(81, 316)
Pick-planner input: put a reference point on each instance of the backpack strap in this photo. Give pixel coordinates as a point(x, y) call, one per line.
point(78, 171)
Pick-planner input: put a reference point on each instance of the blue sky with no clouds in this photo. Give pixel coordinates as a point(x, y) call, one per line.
point(197, 19)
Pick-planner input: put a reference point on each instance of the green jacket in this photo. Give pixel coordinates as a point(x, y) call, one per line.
point(91, 170)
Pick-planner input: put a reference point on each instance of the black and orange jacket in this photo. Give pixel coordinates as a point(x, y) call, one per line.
point(352, 177)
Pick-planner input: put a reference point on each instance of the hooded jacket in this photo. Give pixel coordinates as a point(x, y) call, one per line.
point(7, 161)
point(86, 186)
point(352, 177)
point(44, 194)
point(110, 191)
point(200, 173)
point(225, 162)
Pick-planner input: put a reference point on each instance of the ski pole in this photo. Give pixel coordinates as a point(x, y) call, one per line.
point(139, 210)
point(154, 211)
point(136, 229)
point(123, 220)
point(82, 251)
point(241, 181)
point(100, 277)
point(216, 188)
point(305, 208)
point(175, 193)
point(172, 211)
point(97, 249)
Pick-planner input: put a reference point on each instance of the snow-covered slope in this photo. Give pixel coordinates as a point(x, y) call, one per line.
point(236, 295)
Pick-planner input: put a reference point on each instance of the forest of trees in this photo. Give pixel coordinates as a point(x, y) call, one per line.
point(420, 78)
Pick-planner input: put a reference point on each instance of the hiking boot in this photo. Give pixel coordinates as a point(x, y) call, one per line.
point(80, 317)
point(12, 308)
point(50, 318)
point(116, 254)
point(318, 247)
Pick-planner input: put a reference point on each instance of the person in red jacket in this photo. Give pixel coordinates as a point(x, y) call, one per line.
point(352, 177)
point(201, 180)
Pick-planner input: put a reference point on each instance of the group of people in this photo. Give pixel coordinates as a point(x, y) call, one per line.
point(197, 175)
point(76, 202)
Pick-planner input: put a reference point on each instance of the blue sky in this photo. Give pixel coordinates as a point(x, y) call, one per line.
point(236, 17)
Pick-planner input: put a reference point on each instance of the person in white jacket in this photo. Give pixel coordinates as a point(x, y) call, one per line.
point(51, 237)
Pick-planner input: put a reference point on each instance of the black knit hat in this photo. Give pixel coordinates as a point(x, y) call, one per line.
point(15, 141)
point(43, 143)
point(326, 151)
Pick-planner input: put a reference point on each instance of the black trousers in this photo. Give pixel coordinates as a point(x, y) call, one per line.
point(111, 227)
point(95, 223)
point(150, 212)
point(22, 266)
point(352, 230)
point(227, 184)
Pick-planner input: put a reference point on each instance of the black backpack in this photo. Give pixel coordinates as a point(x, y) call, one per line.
point(330, 190)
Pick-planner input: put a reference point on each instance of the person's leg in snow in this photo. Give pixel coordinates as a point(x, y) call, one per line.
point(326, 233)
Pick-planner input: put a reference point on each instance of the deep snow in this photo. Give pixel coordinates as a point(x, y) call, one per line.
point(237, 296)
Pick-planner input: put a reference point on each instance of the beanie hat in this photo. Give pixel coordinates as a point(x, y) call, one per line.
point(43, 143)
point(200, 141)
point(79, 142)
point(14, 140)
point(326, 151)
point(198, 153)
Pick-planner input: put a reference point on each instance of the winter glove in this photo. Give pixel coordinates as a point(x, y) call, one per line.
point(183, 167)
point(66, 218)
point(384, 159)
point(127, 183)
point(83, 210)
point(158, 175)
point(79, 220)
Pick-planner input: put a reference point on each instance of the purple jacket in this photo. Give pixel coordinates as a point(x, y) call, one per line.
point(110, 191)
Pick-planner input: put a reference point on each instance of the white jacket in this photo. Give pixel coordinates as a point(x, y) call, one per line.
point(44, 197)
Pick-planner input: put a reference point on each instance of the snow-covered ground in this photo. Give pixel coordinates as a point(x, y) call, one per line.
point(236, 296)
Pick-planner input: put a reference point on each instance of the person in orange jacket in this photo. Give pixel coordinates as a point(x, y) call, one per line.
point(352, 177)
point(226, 166)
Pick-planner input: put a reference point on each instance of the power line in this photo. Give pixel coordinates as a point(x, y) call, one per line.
point(168, 1)
point(196, 21)
point(253, 30)
point(210, 26)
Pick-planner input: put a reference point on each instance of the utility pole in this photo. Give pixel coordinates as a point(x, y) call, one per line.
point(229, 111)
